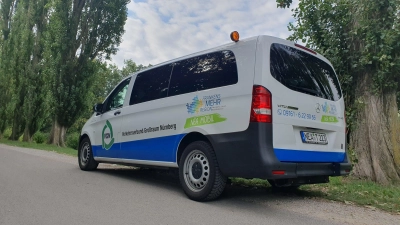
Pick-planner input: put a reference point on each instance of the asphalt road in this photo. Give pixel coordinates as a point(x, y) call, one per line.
point(39, 187)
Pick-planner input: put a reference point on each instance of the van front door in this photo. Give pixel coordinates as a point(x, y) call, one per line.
point(108, 126)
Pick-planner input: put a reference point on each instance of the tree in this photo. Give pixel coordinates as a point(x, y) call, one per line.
point(17, 49)
point(79, 33)
point(360, 38)
point(131, 67)
point(36, 104)
point(7, 9)
point(23, 87)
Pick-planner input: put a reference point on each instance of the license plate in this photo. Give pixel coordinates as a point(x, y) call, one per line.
point(314, 138)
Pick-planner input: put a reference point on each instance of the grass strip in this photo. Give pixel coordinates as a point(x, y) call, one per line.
point(348, 190)
point(46, 147)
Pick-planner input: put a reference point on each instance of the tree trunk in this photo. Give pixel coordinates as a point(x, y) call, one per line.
point(27, 135)
point(374, 139)
point(57, 134)
point(16, 126)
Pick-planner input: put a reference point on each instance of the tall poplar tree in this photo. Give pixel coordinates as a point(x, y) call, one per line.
point(7, 9)
point(36, 104)
point(16, 55)
point(79, 32)
point(24, 88)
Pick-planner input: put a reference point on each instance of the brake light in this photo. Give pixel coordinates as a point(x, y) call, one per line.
point(305, 48)
point(261, 105)
point(278, 172)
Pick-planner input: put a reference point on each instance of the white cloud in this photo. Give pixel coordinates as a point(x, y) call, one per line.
point(161, 30)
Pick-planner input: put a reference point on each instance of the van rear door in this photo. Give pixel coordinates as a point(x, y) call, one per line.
point(307, 105)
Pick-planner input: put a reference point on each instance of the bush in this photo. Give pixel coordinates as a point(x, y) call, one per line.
point(7, 133)
point(39, 137)
point(73, 140)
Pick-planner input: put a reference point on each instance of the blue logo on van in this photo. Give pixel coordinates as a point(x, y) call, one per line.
point(195, 106)
point(329, 108)
point(208, 103)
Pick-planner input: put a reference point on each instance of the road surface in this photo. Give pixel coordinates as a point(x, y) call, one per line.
point(39, 187)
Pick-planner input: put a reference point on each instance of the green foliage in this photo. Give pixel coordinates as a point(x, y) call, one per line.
point(342, 189)
point(361, 192)
point(73, 140)
point(78, 37)
point(131, 67)
point(45, 147)
point(51, 54)
point(7, 133)
point(284, 3)
point(39, 137)
point(23, 87)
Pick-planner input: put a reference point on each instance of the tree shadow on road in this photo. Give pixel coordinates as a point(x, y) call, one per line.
point(168, 179)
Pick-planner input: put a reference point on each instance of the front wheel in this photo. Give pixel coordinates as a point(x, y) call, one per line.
point(199, 173)
point(85, 156)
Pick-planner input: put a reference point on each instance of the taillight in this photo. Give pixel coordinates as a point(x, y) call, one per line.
point(261, 105)
point(278, 172)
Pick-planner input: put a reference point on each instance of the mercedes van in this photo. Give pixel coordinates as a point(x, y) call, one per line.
point(262, 107)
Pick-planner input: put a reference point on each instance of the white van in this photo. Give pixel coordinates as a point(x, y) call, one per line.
point(262, 107)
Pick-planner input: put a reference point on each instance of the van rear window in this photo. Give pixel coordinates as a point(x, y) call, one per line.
point(304, 72)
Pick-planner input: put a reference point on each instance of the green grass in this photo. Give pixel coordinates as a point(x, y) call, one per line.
point(355, 191)
point(344, 189)
point(46, 147)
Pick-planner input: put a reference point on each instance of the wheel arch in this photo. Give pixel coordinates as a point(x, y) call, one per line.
point(83, 136)
point(186, 140)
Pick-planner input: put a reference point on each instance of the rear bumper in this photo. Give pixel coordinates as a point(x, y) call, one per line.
point(250, 154)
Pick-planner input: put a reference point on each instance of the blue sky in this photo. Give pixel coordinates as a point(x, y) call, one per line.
point(161, 30)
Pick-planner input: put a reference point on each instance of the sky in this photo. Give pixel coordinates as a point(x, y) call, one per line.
point(160, 30)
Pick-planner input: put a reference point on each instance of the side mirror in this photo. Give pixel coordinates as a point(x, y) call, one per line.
point(98, 108)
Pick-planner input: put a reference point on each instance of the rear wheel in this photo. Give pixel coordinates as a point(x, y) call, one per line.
point(85, 156)
point(199, 173)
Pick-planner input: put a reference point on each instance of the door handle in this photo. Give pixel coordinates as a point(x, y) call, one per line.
point(117, 113)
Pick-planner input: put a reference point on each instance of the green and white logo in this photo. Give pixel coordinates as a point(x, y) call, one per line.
point(329, 119)
point(107, 136)
point(204, 120)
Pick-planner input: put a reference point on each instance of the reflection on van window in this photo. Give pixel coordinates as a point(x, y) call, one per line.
point(203, 72)
point(117, 98)
point(304, 72)
point(151, 85)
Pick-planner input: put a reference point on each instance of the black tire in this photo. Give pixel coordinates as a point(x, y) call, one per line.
point(199, 173)
point(85, 157)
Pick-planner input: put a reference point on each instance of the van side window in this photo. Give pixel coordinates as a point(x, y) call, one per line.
point(203, 72)
point(117, 97)
point(151, 85)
